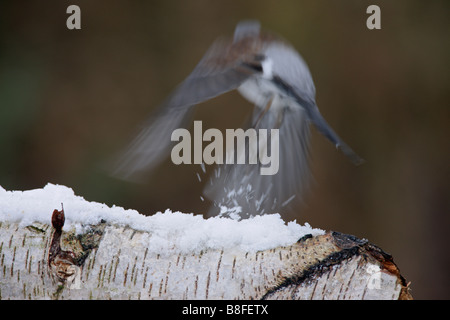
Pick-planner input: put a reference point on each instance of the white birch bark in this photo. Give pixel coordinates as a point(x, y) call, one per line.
point(111, 262)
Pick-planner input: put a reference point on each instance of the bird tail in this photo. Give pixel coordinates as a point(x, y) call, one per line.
point(241, 191)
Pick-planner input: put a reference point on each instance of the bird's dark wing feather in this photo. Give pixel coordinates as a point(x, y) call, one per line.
point(318, 120)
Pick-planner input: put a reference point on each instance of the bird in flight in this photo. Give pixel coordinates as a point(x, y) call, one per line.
point(271, 74)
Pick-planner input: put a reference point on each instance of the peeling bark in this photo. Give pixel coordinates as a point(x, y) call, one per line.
point(111, 262)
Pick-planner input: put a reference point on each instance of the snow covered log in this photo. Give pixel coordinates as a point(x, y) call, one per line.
point(112, 253)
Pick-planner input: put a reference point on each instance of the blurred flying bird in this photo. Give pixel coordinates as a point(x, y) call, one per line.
point(271, 74)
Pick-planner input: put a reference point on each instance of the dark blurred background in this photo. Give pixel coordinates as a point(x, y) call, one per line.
point(70, 99)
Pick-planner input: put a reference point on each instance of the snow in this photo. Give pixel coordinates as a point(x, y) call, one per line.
point(186, 232)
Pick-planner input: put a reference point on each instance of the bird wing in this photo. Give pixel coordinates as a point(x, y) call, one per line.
point(218, 72)
point(319, 121)
point(291, 74)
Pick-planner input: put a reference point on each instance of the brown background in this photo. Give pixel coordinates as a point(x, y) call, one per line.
point(70, 99)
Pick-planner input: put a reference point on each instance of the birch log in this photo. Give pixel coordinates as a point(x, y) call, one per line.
point(111, 262)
